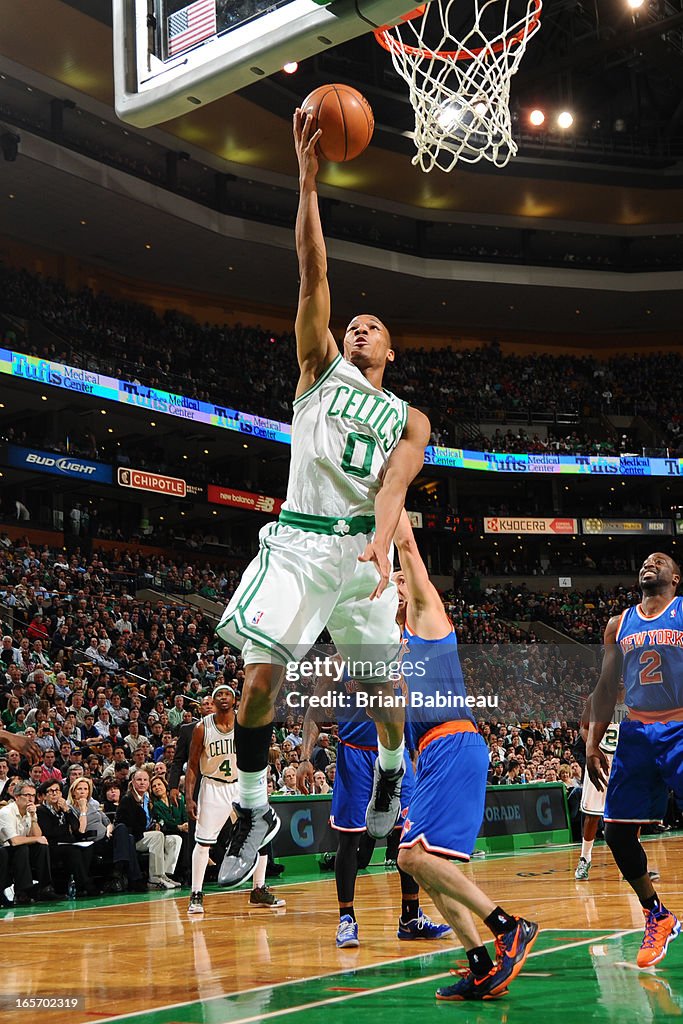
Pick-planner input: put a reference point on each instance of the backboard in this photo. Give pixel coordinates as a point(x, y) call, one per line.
point(171, 56)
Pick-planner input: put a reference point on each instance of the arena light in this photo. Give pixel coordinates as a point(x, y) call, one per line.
point(536, 118)
point(565, 120)
point(291, 67)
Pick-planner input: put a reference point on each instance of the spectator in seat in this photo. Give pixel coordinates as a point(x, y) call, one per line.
point(320, 758)
point(29, 854)
point(16, 764)
point(93, 823)
point(60, 825)
point(173, 820)
point(112, 797)
point(135, 812)
point(49, 769)
point(288, 787)
point(320, 783)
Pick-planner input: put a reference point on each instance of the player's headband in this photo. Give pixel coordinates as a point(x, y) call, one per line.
point(223, 686)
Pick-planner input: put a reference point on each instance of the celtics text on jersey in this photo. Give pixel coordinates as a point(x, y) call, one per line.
point(343, 433)
point(218, 758)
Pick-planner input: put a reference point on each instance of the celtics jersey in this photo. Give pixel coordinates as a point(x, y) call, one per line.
point(218, 758)
point(343, 432)
point(608, 743)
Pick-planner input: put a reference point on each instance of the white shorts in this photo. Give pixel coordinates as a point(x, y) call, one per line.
point(214, 806)
point(300, 583)
point(592, 800)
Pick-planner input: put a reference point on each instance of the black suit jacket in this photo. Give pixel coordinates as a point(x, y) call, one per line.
point(131, 814)
point(182, 752)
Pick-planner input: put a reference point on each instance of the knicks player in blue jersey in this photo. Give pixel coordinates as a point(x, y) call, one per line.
point(453, 759)
point(356, 757)
point(645, 645)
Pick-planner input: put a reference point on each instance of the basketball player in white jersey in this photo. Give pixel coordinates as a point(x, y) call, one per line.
point(212, 751)
point(355, 450)
point(592, 799)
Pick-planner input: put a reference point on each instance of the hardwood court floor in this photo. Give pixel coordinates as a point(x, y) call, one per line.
point(141, 959)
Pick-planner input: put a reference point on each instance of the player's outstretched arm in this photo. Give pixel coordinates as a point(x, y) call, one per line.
point(315, 345)
point(404, 464)
point(585, 719)
point(192, 770)
point(427, 607)
point(27, 747)
point(603, 701)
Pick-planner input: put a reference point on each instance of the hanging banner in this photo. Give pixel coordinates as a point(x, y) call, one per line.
point(58, 465)
point(243, 499)
point(530, 524)
point(141, 480)
point(627, 527)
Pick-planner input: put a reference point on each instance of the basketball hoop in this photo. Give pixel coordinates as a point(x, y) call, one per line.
point(459, 77)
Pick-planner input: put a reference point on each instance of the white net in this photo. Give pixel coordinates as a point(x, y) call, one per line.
point(459, 76)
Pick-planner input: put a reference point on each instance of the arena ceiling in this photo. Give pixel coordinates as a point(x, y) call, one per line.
point(618, 181)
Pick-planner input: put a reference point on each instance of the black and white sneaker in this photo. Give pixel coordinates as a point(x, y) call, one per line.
point(255, 826)
point(385, 804)
point(196, 905)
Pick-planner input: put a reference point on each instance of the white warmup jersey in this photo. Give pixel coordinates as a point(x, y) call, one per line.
point(343, 432)
point(592, 800)
point(218, 764)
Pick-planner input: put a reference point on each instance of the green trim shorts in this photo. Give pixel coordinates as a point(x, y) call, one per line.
point(307, 577)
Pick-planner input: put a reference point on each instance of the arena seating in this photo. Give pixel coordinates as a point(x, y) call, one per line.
point(177, 354)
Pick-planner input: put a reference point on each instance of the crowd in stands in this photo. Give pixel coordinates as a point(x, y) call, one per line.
point(581, 616)
point(177, 354)
point(571, 443)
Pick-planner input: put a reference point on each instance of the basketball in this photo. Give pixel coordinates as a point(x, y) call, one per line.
point(345, 118)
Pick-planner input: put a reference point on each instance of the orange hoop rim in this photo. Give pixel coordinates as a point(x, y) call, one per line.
point(390, 44)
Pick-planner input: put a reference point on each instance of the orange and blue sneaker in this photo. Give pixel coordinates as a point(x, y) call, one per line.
point(422, 927)
point(661, 928)
point(469, 988)
point(512, 949)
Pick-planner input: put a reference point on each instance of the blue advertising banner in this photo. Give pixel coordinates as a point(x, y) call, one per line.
point(97, 385)
point(59, 465)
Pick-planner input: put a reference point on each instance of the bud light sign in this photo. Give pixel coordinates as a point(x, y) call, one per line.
point(58, 465)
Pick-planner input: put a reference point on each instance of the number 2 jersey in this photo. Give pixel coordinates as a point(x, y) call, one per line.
point(218, 759)
point(608, 743)
point(343, 433)
point(652, 648)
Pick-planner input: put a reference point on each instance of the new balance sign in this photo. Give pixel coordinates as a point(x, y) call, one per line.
point(141, 480)
point(243, 499)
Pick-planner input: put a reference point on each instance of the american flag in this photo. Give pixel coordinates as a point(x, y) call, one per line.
point(191, 25)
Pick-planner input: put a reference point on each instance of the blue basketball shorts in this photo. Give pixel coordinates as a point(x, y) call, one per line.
point(353, 788)
point(447, 807)
point(648, 762)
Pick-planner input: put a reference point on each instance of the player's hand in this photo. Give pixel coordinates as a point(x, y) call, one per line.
point(27, 747)
point(378, 556)
point(598, 768)
point(191, 807)
point(304, 777)
point(174, 796)
point(305, 140)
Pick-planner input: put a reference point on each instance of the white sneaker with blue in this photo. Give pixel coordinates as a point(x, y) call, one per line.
point(422, 927)
point(347, 932)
